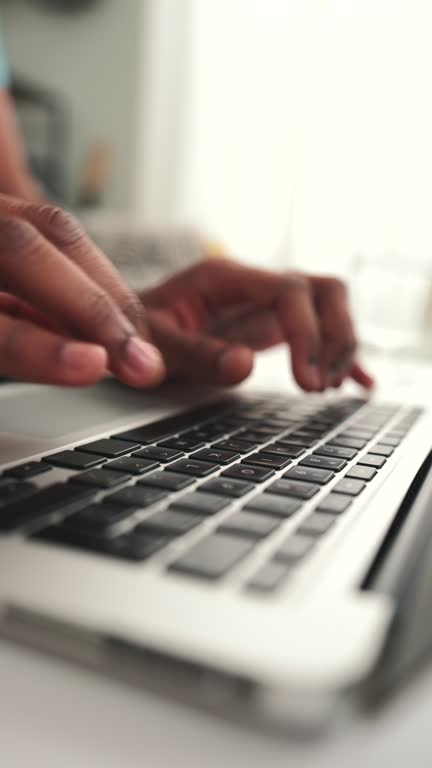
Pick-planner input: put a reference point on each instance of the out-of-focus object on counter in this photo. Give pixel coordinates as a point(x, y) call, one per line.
point(392, 299)
point(43, 120)
point(95, 175)
point(143, 255)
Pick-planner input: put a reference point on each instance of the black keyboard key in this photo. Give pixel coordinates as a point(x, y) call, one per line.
point(182, 444)
point(164, 455)
point(303, 434)
point(350, 487)
point(248, 473)
point(130, 546)
point(205, 435)
point(372, 460)
point(316, 524)
point(361, 473)
point(171, 481)
point(194, 468)
point(298, 490)
point(132, 466)
point(348, 442)
point(382, 450)
point(158, 430)
point(324, 462)
point(267, 503)
point(170, 521)
point(294, 439)
point(233, 488)
point(100, 478)
point(238, 446)
point(393, 442)
point(133, 546)
point(309, 475)
point(263, 459)
point(216, 456)
point(250, 524)
point(137, 496)
point(27, 471)
point(334, 503)
point(253, 437)
point(74, 460)
point(295, 548)
point(336, 451)
point(99, 519)
point(288, 450)
point(12, 490)
point(55, 500)
point(133, 436)
point(281, 424)
point(202, 503)
point(268, 578)
point(109, 448)
point(213, 556)
point(263, 429)
point(360, 434)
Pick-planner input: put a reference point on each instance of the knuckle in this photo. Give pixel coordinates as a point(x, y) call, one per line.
point(15, 234)
point(60, 224)
point(297, 283)
point(100, 308)
point(133, 308)
point(337, 285)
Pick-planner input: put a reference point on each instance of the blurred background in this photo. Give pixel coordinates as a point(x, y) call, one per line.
point(296, 132)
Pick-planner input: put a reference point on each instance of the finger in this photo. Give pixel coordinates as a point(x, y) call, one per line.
point(215, 285)
point(37, 272)
point(337, 330)
point(258, 330)
point(21, 310)
point(30, 353)
point(362, 377)
point(64, 231)
point(202, 359)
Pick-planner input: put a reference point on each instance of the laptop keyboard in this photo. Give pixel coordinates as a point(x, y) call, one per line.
point(252, 485)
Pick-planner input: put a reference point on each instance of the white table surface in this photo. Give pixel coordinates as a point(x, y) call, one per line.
point(56, 715)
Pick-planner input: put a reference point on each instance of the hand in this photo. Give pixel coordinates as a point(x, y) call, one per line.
point(65, 313)
point(209, 320)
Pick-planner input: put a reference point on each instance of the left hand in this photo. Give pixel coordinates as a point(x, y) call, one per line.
point(210, 319)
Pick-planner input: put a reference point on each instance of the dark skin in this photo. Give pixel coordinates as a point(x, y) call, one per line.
point(67, 316)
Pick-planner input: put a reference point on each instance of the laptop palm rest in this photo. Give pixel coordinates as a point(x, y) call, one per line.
point(41, 418)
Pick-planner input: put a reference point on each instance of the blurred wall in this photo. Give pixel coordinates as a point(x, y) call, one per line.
point(90, 58)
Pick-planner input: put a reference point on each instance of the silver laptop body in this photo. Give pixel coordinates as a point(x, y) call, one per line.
point(288, 655)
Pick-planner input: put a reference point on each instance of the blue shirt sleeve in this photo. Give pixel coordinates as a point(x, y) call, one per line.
point(4, 71)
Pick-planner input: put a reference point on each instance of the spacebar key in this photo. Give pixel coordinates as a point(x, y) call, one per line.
point(56, 500)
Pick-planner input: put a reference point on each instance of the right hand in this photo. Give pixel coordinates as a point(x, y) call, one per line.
point(66, 316)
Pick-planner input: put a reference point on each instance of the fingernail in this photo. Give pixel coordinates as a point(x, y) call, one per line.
point(78, 356)
point(142, 357)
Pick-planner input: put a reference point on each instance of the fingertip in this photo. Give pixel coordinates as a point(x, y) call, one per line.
point(143, 365)
point(235, 365)
point(359, 375)
point(308, 377)
point(82, 364)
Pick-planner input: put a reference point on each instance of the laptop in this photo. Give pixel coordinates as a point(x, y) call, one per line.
point(253, 552)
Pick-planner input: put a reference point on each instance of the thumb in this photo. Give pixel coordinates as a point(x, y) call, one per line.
point(200, 358)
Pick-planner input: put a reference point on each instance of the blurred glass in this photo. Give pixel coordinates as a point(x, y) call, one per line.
point(392, 301)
